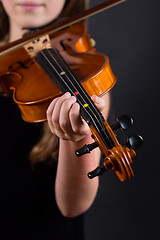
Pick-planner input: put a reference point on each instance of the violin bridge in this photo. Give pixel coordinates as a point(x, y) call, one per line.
point(32, 48)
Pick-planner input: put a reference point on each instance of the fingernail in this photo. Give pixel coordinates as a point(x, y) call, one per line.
point(67, 94)
point(74, 98)
point(75, 105)
point(97, 100)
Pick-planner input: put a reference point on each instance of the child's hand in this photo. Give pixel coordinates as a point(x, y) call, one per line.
point(64, 117)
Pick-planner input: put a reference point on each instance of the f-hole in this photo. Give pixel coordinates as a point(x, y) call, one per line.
point(62, 43)
point(21, 64)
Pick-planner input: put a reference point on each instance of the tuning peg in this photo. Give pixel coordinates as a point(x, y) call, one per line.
point(97, 172)
point(124, 122)
point(134, 142)
point(86, 149)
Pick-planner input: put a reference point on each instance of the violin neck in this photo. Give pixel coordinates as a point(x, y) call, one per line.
point(56, 68)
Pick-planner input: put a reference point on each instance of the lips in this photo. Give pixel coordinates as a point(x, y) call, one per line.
point(30, 6)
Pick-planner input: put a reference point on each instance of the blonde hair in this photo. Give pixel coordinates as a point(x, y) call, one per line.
point(47, 147)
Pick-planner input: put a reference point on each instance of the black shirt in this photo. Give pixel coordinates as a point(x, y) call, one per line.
point(27, 202)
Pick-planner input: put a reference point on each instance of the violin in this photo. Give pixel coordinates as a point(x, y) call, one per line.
point(60, 58)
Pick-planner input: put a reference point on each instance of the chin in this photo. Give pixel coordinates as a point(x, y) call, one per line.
point(33, 23)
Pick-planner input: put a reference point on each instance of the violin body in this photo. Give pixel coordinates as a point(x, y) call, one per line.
point(33, 90)
point(61, 58)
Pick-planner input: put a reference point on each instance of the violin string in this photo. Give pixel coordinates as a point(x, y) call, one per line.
point(62, 78)
point(71, 82)
point(71, 92)
point(87, 98)
point(102, 127)
point(80, 88)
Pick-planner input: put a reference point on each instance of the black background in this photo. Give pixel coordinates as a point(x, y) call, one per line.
point(129, 35)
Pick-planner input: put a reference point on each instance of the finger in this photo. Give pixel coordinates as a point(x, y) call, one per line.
point(99, 102)
point(64, 119)
point(79, 126)
point(53, 113)
point(49, 114)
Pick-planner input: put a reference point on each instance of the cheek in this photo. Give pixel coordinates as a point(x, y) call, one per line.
point(54, 7)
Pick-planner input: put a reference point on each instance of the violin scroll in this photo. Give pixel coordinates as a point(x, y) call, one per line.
point(118, 158)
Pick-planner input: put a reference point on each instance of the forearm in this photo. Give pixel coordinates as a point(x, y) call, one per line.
point(75, 192)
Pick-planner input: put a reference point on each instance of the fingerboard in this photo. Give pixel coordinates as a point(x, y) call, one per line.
point(57, 69)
